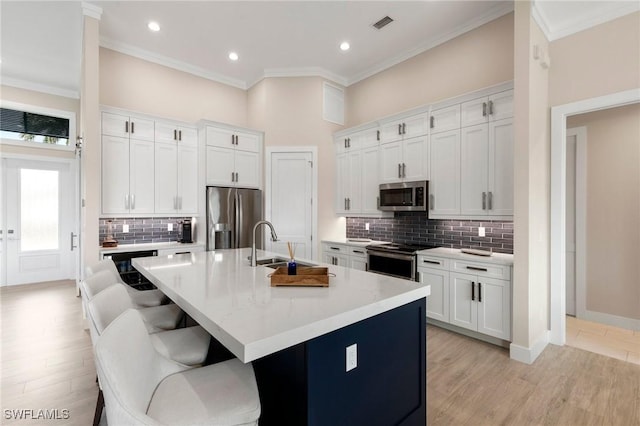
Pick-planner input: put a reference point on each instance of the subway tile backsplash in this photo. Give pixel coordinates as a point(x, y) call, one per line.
point(142, 230)
point(415, 228)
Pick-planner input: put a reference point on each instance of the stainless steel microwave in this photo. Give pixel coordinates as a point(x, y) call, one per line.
point(404, 196)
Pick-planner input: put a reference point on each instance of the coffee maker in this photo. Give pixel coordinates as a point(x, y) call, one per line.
point(186, 231)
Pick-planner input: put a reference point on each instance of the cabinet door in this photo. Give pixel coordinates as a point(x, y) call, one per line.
point(166, 132)
point(474, 170)
point(223, 138)
point(474, 112)
point(220, 166)
point(335, 259)
point(415, 125)
point(494, 308)
point(438, 300)
point(115, 175)
point(354, 197)
point(141, 129)
point(391, 131)
point(187, 136)
point(444, 183)
point(445, 119)
point(463, 309)
point(500, 197)
point(115, 125)
point(368, 138)
point(370, 185)
point(247, 142)
point(166, 178)
point(247, 168)
point(342, 182)
point(141, 174)
point(187, 179)
point(415, 158)
point(359, 263)
point(391, 162)
point(501, 105)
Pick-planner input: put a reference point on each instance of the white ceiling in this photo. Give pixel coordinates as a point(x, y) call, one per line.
point(40, 42)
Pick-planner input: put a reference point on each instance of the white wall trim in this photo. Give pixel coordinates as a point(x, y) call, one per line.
point(559, 116)
point(315, 252)
point(91, 10)
point(581, 218)
point(529, 355)
point(541, 20)
point(302, 72)
point(613, 320)
point(39, 87)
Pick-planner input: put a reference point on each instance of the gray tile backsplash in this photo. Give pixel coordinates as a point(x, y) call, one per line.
point(415, 228)
point(142, 230)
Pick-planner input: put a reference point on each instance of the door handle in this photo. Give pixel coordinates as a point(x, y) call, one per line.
point(72, 246)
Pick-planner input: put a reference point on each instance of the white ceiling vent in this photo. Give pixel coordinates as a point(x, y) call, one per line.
point(383, 22)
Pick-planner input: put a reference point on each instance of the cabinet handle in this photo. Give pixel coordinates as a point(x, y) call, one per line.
point(72, 246)
point(133, 127)
point(358, 251)
point(236, 176)
point(433, 262)
point(490, 200)
point(399, 128)
point(480, 292)
point(484, 109)
point(126, 126)
point(126, 202)
point(378, 135)
point(404, 128)
point(490, 107)
point(399, 170)
point(233, 177)
point(378, 201)
point(180, 203)
point(345, 143)
point(179, 135)
point(175, 135)
point(175, 207)
point(334, 248)
point(431, 121)
point(473, 290)
point(432, 201)
point(484, 201)
point(348, 203)
point(133, 202)
point(475, 268)
point(404, 170)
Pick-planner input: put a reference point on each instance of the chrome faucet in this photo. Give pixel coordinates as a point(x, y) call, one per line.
point(274, 237)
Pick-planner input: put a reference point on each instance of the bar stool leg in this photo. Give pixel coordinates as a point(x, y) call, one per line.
point(99, 407)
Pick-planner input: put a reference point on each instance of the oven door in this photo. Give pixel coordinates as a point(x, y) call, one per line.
point(393, 264)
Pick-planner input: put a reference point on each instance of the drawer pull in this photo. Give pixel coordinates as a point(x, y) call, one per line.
point(432, 262)
point(479, 292)
point(358, 251)
point(334, 248)
point(475, 268)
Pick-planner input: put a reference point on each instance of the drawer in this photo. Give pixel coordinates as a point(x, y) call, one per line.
point(358, 251)
point(433, 262)
point(335, 248)
point(501, 272)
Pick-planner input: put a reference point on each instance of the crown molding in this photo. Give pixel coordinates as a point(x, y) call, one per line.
point(38, 87)
point(581, 22)
point(170, 62)
point(301, 72)
point(91, 10)
point(500, 10)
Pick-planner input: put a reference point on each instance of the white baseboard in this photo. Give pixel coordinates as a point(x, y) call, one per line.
point(529, 355)
point(609, 319)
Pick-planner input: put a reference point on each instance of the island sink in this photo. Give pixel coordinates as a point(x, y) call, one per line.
point(275, 262)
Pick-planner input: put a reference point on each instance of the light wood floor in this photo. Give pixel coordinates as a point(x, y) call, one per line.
point(603, 339)
point(47, 363)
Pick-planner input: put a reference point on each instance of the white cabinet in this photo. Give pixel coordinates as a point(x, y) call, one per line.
point(445, 119)
point(348, 182)
point(405, 160)
point(435, 272)
point(488, 108)
point(404, 128)
point(444, 185)
point(233, 157)
point(127, 126)
point(176, 171)
point(358, 258)
point(354, 257)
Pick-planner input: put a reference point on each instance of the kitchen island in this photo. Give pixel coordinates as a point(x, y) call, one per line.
point(298, 338)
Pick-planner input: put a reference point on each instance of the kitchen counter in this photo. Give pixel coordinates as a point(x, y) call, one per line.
point(349, 242)
point(149, 246)
point(320, 354)
point(449, 253)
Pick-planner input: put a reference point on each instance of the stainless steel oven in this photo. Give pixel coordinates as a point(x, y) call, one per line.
point(404, 196)
point(396, 260)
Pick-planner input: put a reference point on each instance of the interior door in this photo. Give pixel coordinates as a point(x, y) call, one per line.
point(39, 221)
point(291, 202)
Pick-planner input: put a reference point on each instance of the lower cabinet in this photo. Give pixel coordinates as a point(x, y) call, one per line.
point(354, 257)
point(358, 258)
point(478, 299)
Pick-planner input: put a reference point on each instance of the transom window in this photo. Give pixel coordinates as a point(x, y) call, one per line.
point(34, 126)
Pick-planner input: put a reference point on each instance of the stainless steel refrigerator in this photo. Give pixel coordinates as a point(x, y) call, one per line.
point(231, 214)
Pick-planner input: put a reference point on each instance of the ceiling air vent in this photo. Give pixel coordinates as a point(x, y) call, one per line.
point(383, 22)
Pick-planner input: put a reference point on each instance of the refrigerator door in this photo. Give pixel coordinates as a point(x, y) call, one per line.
point(249, 212)
point(220, 217)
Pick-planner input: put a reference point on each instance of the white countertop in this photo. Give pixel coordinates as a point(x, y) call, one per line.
point(349, 242)
point(148, 246)
point(236, 304)
point(449, 253)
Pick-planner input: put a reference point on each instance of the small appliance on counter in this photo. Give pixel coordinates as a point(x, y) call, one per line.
point(186, 232)
point(109, 241)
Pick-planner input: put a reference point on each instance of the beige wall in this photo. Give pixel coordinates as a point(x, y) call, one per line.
point(480, 58)
point(29, 97)
point(137, 85)
point(613, 210)
point(289, 111)
point(601, 60)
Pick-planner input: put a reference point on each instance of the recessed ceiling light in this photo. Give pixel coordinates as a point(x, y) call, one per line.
point(344, 46)
point(153, 26)
point(233, 56)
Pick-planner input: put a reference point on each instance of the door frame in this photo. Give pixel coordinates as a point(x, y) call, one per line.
point(73, 169)
point(314, 188)
point(557, 256)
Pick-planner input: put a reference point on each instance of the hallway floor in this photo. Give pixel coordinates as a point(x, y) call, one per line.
point(604, 339)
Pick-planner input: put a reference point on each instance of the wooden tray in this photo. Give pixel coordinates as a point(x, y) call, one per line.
point(307, 277)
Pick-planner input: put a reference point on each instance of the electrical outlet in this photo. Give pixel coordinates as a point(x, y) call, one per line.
point(125, 228)
point(481, 231)
point(352, 357)
point(169, 227)
point(366, 226)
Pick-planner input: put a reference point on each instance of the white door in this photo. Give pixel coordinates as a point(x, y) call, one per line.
point(289, 203)
point(39, 221)
point(247, 169)
point(370, 185)
point(500, 196)
point(494, 307)
point(166, 180)
point(474, 164)
point(444, 185)
point(391, 162)
point(438, 300)
point(463, 308)
point(571, 226)
point(415, 158)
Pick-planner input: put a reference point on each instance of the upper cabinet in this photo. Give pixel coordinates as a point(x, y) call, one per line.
point(487, 108)
point(148, 166)
point(234, 157)
point(404, 128)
